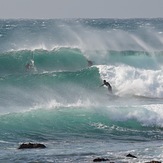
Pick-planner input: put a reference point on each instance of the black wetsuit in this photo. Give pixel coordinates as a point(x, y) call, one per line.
point(108, 85)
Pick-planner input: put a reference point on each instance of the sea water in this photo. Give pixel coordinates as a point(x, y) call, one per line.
point(51, 94)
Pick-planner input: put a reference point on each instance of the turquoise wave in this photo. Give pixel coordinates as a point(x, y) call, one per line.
point(137, 59)
point(42, 60)
point(70, 59)
point(28, 90)
point(47, 124)
point(88, 77)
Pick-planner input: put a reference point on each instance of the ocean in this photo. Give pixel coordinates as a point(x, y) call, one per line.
point(50, 77)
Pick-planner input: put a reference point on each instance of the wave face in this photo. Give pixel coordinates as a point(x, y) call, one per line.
point(63, 59)
point(50, 77)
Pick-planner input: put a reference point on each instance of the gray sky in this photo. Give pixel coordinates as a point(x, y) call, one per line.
point(81, 9)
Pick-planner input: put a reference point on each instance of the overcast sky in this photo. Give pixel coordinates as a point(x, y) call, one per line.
point(50, 9)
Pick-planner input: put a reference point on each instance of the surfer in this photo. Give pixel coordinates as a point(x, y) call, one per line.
point(108, 85)
point(29, 65)
point(90, 63)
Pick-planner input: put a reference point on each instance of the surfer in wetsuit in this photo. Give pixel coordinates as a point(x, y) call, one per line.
point(108, 85)
point(90, 63)
point(29, 65)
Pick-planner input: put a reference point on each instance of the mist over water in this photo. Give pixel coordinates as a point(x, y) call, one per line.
point(50, 77)
point(86, 34)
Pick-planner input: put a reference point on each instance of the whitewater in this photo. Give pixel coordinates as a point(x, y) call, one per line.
point(50, 77)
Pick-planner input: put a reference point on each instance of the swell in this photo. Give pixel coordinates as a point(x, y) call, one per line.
point(73, 59)
point(137, 59)
point(87, 77)
point(47, 124)
point(21, 92)
point(15, 62)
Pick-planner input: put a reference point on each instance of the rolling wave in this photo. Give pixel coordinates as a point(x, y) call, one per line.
point(132, 123)
point(66, 59)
